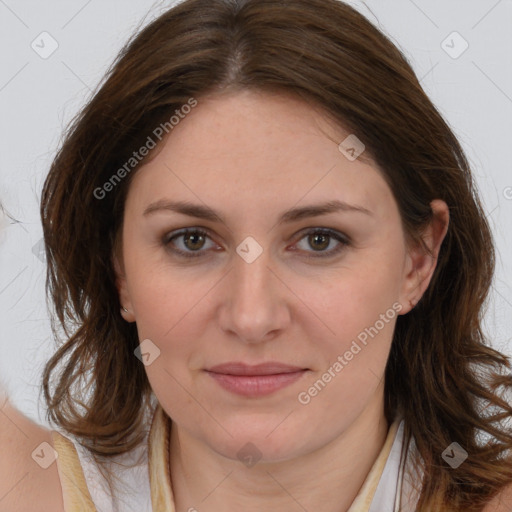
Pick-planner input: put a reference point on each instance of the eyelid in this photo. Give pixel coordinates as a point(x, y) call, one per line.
point(167, 239)
point(342, 239)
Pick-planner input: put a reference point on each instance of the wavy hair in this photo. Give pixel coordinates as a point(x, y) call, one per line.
point(442, 375)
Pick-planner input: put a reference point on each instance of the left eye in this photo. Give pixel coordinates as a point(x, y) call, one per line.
point(320, 239)
point(193, 240)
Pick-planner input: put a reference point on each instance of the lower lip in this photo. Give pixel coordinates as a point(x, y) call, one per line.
point(256, 385)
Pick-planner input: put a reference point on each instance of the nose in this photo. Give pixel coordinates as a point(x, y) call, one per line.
point(254, 305)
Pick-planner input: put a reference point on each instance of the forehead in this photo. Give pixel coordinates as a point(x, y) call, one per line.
point(258, 150)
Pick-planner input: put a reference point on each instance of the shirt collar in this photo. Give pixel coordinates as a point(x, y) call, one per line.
point(384, 470)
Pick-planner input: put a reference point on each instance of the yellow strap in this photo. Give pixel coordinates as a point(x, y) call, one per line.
point(158, 452)
point(78, 499)
point(75, 493)
point(159, 475)
point(365, 496)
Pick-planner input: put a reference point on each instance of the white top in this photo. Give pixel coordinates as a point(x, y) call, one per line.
point(135, 476)
point(385, 489)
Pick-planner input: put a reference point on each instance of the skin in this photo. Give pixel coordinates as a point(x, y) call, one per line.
point(251, 156)
point(199, 463)
point(24, 485)
point(201, 456)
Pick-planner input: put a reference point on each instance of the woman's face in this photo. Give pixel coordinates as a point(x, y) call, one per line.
point(317, 292)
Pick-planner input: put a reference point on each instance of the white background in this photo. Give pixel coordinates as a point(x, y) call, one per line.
point(39, 96)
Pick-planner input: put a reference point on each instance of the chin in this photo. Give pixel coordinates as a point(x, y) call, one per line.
point(260, 443)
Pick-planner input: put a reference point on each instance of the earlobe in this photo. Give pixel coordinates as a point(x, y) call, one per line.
point(126, 309)
point(422, 259)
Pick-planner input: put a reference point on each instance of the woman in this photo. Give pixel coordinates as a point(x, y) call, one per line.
point(269, 260)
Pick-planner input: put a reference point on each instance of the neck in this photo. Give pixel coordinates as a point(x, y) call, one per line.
point(327, 479)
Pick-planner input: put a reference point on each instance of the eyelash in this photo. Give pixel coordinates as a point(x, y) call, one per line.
point(344, 241)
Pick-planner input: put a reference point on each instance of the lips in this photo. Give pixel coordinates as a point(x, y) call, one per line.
point(255, 380)
point(271, 368)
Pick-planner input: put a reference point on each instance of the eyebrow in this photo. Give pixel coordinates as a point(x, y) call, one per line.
point(291, 215)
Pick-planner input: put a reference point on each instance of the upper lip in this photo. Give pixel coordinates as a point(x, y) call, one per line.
point(239, 368)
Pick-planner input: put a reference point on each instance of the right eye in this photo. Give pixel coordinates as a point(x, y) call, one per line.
point(192, 242)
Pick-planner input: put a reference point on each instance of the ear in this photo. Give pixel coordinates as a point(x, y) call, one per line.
point(420, 264)
point(121, 285)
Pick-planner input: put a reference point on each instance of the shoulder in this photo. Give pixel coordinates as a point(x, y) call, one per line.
point(502, 502)
point(29, 478)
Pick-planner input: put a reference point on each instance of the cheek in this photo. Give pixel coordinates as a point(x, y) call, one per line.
point(161, 293)
point(358, 338)
point(173, 308)
point(167, 308)
point(333, 306)
point(355, 314)
point(165, 303)
point(349, 299)
point(338, 302)
point(358, 312)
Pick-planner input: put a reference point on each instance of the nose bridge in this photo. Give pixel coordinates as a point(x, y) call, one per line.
point(251, 266)
point(253, 307)
point(253, 276)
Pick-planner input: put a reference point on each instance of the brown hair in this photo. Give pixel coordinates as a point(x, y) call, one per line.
point(441, 373)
